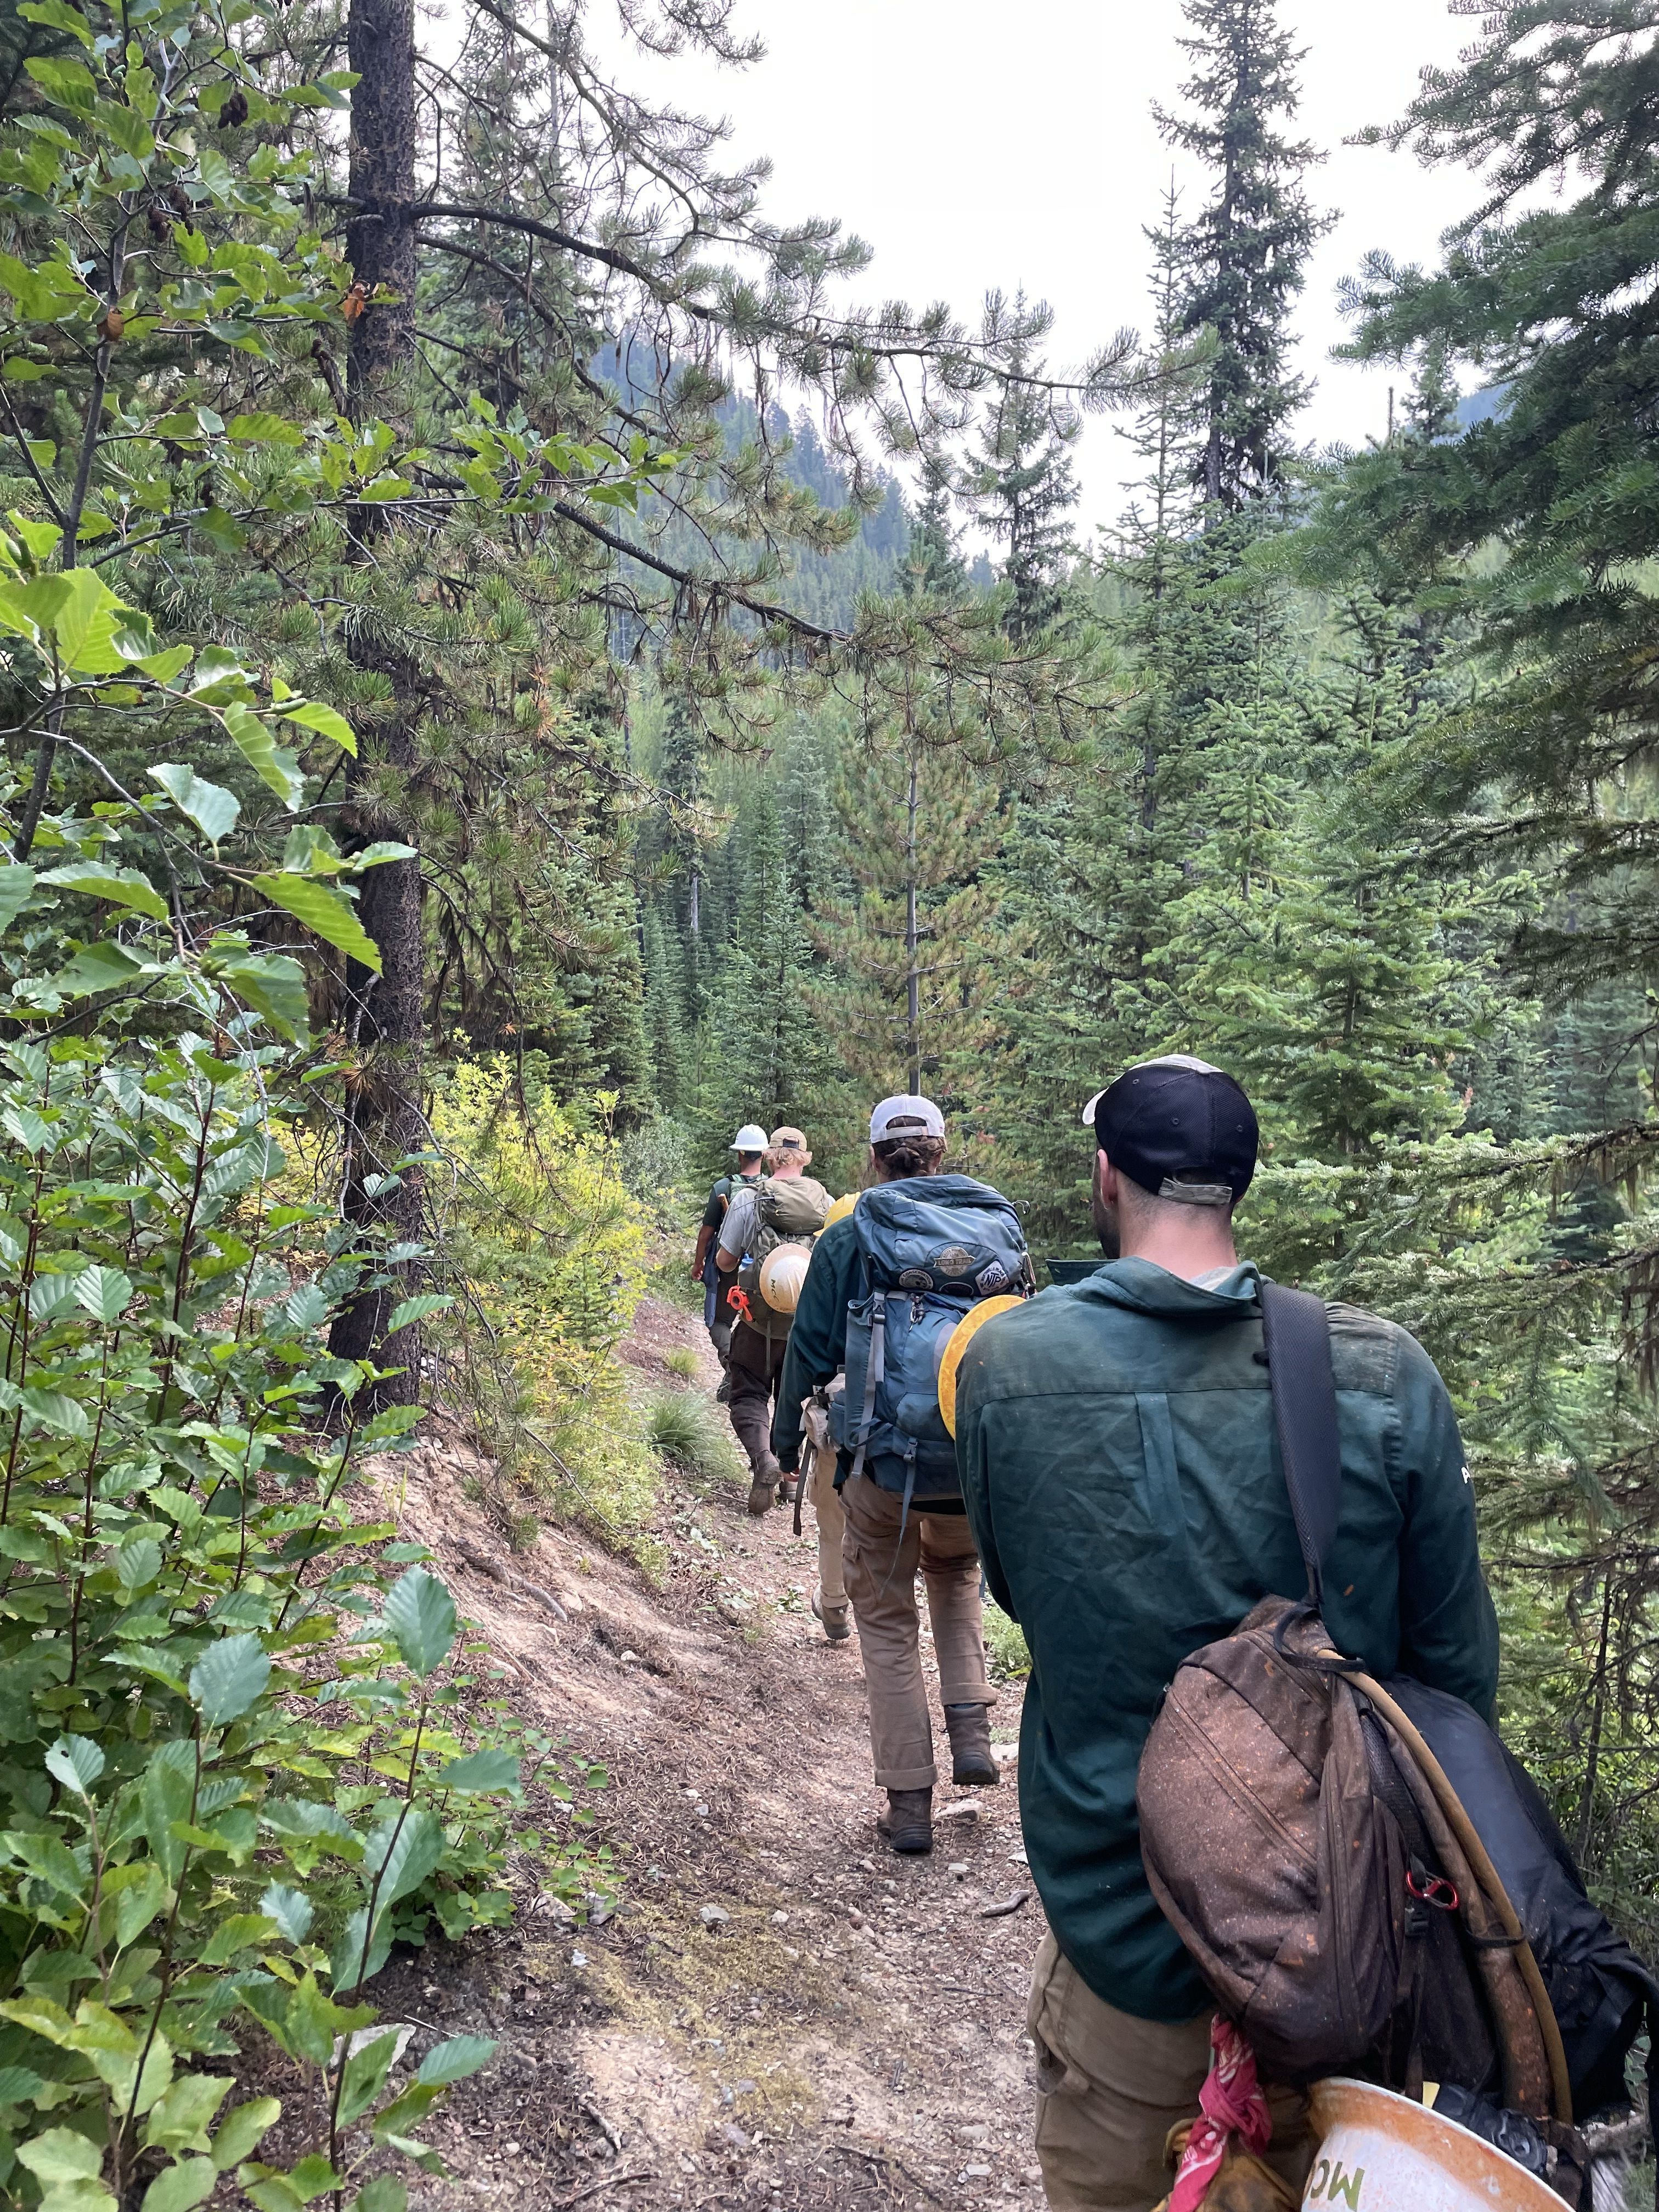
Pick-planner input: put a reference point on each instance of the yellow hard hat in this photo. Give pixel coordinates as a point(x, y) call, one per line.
point(841, 1208)
point(957, 1343)
point(782, 1273)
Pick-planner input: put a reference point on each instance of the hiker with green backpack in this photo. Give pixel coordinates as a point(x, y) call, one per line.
point(888, 1286)
point(768, 1230)
point(1122, 1471)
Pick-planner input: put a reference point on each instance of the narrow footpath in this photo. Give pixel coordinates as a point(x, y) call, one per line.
point(777, 2010)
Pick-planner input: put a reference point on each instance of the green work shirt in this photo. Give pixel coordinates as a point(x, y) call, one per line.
point(1122, 1478)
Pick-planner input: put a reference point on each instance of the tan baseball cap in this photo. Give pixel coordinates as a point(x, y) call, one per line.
point(785, 1140)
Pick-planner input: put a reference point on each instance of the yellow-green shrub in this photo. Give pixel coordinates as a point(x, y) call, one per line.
point(546, 1251)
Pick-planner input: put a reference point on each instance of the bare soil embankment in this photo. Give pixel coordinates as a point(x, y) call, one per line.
point(779, 2011)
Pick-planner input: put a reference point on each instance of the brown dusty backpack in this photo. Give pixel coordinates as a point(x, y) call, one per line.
point(1302, 1839)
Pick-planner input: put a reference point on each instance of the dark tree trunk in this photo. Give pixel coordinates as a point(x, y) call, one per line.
point(384, 1123)
point(381, 236)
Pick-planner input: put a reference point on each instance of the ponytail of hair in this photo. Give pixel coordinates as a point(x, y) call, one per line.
point(897, 1157)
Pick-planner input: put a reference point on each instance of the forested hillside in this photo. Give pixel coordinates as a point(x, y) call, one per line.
point(515, 666)
point(1354, 804)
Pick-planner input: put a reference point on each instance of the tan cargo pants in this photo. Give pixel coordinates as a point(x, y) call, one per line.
point(818, 1489)
point(1110, 2087)
point(881, 1581)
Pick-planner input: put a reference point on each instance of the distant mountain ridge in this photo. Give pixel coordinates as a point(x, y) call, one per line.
point(825, 588)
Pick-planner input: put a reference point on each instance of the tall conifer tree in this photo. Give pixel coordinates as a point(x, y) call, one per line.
point(908, 944)
point(1244, 256)
point(1020, 482)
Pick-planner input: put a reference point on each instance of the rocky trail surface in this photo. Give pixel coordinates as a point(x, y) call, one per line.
point(777, 2011)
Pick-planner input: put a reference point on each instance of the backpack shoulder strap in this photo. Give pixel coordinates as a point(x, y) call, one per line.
point(1297, 1332)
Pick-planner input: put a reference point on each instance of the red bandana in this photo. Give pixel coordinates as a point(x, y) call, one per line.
point(1231, 2103)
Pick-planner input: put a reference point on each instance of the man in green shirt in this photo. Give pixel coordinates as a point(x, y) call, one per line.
point(1121, 1474)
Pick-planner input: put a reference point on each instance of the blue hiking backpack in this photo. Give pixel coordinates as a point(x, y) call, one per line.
point(931, 1247)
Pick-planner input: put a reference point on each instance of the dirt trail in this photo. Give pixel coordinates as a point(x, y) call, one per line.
point(851, 2034)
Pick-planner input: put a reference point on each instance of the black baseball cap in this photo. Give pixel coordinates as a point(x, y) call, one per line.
point(1180, 1128)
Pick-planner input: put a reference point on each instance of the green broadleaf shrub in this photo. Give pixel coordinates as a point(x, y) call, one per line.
point(228, 1771)
point(234, 1765)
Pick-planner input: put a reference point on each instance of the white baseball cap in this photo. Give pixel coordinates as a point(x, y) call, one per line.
point(752, 1137)
point(905, 1109)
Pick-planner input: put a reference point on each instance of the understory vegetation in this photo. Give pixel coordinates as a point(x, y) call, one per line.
point(511, 668)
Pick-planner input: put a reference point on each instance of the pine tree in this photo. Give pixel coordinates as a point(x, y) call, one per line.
point(1243, 258)
point(1548, 306)
point(805, 814)
point(1163, 433)
point(665, 1017)
point(932, 563)
point(1021, 483)
point(1094, 870)
point(1539, 768)
point(905, 944)
point(763, 1056)
point(1334, 988)
point(682, 783)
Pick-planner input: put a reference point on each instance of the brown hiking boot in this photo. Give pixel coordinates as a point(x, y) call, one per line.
point(907, 1823)
point(763, 1490)
point(787, 1490)
point(837, 1627)
point(969, 1730)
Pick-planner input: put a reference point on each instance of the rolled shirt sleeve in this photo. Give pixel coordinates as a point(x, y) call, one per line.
point(738, 1230)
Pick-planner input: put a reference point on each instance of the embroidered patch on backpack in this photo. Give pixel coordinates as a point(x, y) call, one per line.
point(915, 1278)
point(954, 1261)
point(993, 1278)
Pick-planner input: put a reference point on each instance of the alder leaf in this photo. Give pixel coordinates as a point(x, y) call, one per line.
point(421, 1614)
point(327, 722)
point(212, 808)
point(125, 887)
point(276, 767)
point(332, 916)
point(228, 1677)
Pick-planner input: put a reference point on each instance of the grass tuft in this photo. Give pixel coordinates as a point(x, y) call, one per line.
point(683, 1361)
point(689, 1428)
point(1005, 1646)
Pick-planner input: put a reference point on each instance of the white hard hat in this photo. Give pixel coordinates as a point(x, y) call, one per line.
point(752, 1137)
point(782, 1273)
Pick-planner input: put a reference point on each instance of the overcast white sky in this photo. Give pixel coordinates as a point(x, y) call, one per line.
point(975, 144)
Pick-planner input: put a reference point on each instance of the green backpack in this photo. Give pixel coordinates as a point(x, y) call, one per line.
point(788, 1209)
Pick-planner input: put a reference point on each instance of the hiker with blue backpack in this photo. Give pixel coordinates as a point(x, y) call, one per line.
point(888, 1285)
